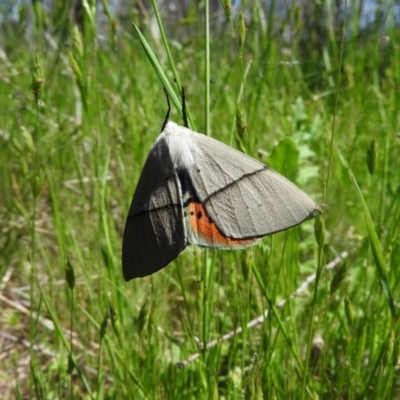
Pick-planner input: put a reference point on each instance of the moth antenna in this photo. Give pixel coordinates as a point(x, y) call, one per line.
point(184, 115)
point(168, 110)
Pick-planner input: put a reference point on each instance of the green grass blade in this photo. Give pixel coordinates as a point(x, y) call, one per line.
point(165, 43)
point(64, 340)
point(157, 68)
point(275, 313)
point(170, 58)
point(117, 353)
point(207, 126)
point(376, 251)
point(160, 72)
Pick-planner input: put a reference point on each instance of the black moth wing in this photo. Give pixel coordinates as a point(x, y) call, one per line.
point(154, 231)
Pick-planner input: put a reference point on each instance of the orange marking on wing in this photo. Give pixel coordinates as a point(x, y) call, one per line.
point(203, 226)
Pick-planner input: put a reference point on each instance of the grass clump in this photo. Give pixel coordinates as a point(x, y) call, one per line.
point(82, 102)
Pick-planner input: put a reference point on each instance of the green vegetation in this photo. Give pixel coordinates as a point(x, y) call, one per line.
point(79, 114)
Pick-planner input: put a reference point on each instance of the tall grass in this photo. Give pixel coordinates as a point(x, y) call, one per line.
point(79, 114)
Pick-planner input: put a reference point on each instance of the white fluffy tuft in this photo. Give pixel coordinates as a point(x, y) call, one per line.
point(182, 148)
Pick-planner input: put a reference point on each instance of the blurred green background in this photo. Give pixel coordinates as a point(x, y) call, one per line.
point(309, 88)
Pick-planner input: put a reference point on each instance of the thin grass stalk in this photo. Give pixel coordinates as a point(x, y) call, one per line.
point(384, 127)
point(239, 37)
point(70, 280)
point(166, 45)
point(71, 327)
point(64, 340)
point(121, 357)
point(157, 68)
point(336, 99)
point(35, 186)
point(240, 95)
point(377, 253)
point(100, 379)
point(372, 377)
point(207, 67)
point(320, 247)
point(275, 313)
point(240, 41)
point(320, 266)
point(170, 58)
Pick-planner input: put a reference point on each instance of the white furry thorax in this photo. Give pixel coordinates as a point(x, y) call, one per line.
point(181, 146)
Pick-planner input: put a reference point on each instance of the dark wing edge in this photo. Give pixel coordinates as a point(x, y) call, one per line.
point(152, 239)
point(154, 232)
